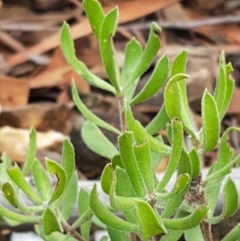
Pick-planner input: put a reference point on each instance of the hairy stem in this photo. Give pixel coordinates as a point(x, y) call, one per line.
point(206, 227)
point(68, 229)
point(121, 112)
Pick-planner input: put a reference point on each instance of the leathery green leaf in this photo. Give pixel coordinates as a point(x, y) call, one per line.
point(14, 199)
point(18, 217)
point(224, 86)
point(10, 194)
point(133, 53)
point(221, 168)
point(195, 232)
point(150, 51)
point(195, 161)
point(141, 134)
point(233, 235)
point(178, 67)
point(68, 158)
point(69, 53)
point(230, 204)
point(118, 235)
point(187, 222)
point(107, 178)
point(158, 122)
point(143, 158)
point(17, 176)
point(83, 207)
point(95, 14)
point(211, 122)
point(70, 196)
point(124, 186)
point(181, 183)
point(177, 143)
point(108, 182)
point(228, 91)
point(150, 222)
point(55, 169)
point(88, 114)
point(172, 97)
point(97, 141)
point(108, 30)
point(50, 222)
point(107, 217)
point(185, 165)
point(156, 81)
point(31, 153)
point(126, 142)
point(116, 161)
point(42, 181)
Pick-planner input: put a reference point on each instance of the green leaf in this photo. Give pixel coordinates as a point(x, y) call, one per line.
point(133, 53)
point(55, 169)
point(70, 196)
point(156, 81)
point(177, 137)
point(12, 215)
point(141, 134)
point(143, 158)
point(180, 185)
point(126, 142)
point(5, 163)
point(17, 176)
point(116, 161)
point(224, 86)
point(95, 14)
point(88, 114)
point(195, 232)
point(233, 235)
point(118, 235)
point(228, 92)
point(42, 181)
point(10, 194)
point(107, 179)
point(176, 196)
point(68, 159)
point(108, 30)
point(69, 53)
point(187, 222)
point(158, 122)
point(173, 235)
point(211, 122)
point(14, 199)
point(151, 49)
point(55, 236)
point(184, 165)
point(220, 169)
point(31, 152)
point(230, 205)
point(150, 222)
point(108, 182)
point(124, 186)
point(83, 207)
point(96, 141)
point(107, 217)
point(178, 67)
point(51, 222)
point(172, 97)
point(195, 162)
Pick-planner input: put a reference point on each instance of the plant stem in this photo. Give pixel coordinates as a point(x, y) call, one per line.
point(68, 229)
point(121, 112)
point(206, 227)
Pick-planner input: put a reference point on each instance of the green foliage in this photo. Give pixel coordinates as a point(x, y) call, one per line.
point(147, 206)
